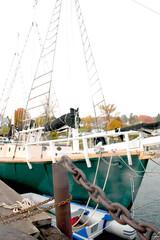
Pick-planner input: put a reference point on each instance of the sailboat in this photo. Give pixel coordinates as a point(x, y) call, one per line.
point(117, 167)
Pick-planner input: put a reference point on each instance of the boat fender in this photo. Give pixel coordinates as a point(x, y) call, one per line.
point(107, 217)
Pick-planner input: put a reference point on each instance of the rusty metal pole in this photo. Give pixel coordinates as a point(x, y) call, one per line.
point(61, 193)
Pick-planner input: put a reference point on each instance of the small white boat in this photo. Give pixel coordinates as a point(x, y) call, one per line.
point(87, 222)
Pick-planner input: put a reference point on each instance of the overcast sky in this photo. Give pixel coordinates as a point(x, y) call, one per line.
point(125, 40)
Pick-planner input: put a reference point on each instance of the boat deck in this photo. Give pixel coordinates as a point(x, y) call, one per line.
point(78, 156)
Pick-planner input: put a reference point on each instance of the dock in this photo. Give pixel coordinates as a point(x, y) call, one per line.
point(35, 227)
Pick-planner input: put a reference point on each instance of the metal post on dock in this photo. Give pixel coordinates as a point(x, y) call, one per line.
point(61, 193)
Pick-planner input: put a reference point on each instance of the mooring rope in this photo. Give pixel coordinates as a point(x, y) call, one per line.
point(135, 171)
point(132, 192)
point(26, 203)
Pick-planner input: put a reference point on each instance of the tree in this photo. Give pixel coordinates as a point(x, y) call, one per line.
point(133, 119)
point(124, 118)
point(18, 116)
point(4, 130)
point(40, 121)
point(108, 110)
point(145, 118)
point(158, 118)
point(48, 113)
point(88, 122)
point(115, 124)
point(88, 119)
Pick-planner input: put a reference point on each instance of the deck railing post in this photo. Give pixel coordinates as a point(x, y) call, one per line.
point(61, 193)
point(52, 145)
point(128, 149)
point(28, 157)
point(88, 162)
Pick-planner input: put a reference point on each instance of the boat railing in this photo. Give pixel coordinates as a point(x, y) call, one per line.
point(87, 143)
point(87, 136)
point(84, 144)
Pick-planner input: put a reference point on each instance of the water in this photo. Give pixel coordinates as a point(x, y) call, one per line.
point(147, 204)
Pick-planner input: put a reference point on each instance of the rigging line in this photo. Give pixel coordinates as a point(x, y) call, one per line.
point(142, 166)
point(35, 10)
point(90, 60)
point(95, 177)
point(132, 194)
point(52, 37)
point(41, 45)
point(49, 46)
point(106, 179)
point(45, 63)
point(157, 155)
point(150, 9)
point(13, 59)
point(70, 50)
point(57, 5)
point(113, 164)
point(155, 162)
point(129, 166)
point(146, 204)
point(24, 94)
point(149, 172)
point(16, 70)
point(52, 30)
point(110, 163)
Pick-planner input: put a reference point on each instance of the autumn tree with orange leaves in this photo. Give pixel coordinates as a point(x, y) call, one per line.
point(18, 116)
point(111, 121)
point(88, 121)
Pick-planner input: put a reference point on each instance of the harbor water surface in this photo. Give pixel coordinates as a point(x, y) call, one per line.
point(147, 204)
